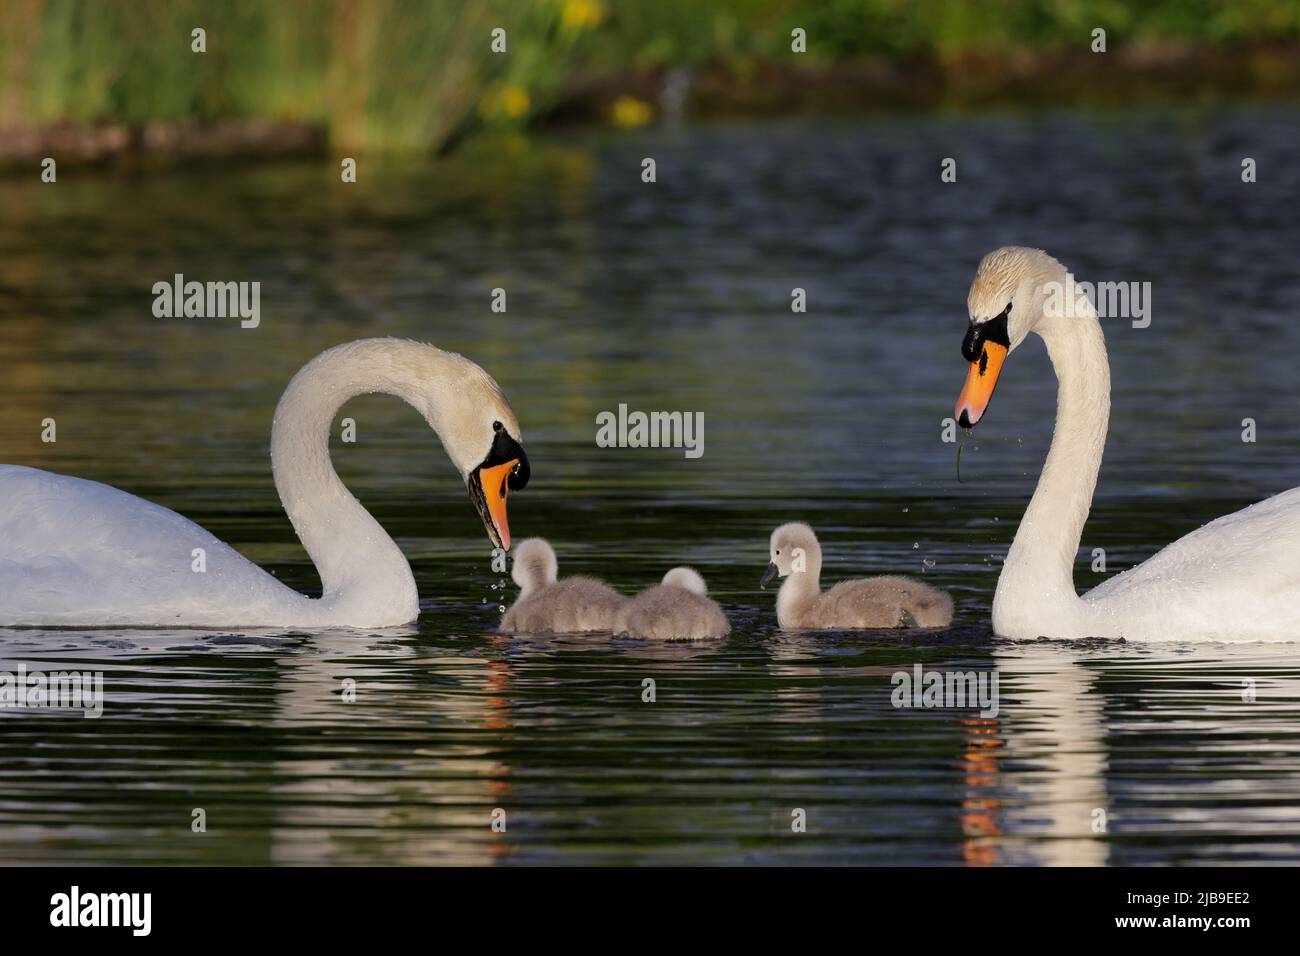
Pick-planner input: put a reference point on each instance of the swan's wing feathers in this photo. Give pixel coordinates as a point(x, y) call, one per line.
point(1249, 559)
point(48, 516)
point(74, 551)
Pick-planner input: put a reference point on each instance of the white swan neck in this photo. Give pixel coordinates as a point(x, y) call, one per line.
point(363, 572)
point(1035, 594)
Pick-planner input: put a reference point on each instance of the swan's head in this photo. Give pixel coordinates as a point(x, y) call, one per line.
point(687, 578)
point(534, 566)
point(1006, 303)
point(503, 468)
point(793, 548)
point(481, 436)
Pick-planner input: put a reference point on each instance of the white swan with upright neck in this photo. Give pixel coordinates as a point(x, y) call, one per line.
point(1235, 579)
point(79, 553)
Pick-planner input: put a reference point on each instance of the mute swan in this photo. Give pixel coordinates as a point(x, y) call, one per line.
point(79, 553)
point(1234, 579)
point(548, 606)
point(676, 609)
point(886, 601)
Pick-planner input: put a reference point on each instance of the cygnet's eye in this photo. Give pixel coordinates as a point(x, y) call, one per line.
point(497, 426)
point(778, 552)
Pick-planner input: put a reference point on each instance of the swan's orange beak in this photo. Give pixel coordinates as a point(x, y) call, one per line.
point(488, 489)
point(981, 379)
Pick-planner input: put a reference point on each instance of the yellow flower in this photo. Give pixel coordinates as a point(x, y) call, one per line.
point(509, 100)
point(628, 111)
point(579, 14)
point(514, 101)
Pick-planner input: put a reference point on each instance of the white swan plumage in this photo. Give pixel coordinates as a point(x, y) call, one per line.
point(79, 553)
point(1234, 579)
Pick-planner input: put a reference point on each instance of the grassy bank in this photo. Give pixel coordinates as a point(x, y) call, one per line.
point(414, 75)
point(384, 75)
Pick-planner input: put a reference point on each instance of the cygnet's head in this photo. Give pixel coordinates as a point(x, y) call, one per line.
point(792, 549)
point(535, 565)
point(687, 578)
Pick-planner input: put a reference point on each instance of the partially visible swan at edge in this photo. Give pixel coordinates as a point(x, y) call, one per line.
point(1234, 579)
point(885, 601)
point(79, 553)
point(550, 606)
point(676, 609)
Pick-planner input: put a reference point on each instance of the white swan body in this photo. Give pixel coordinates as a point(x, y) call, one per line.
point(76, 552)
point(1234, 579)
point(80, 553)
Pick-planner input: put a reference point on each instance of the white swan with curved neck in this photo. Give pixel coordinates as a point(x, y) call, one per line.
point(1235, 579)
point(79, 553)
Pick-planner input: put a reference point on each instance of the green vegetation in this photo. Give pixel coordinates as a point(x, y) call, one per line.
point(387, 74)
point(404, 75)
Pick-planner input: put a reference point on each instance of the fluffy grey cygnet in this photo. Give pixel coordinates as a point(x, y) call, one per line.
point(887, 601)
point(550, 606)
point(677, 609)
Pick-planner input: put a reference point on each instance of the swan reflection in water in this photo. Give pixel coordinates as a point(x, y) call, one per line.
point(258, 731)
point(1034, 775)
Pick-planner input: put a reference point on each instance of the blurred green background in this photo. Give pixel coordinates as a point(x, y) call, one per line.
point(417, 75)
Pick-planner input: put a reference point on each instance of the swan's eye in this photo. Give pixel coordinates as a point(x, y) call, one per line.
point(497, 426)
point(778, 552)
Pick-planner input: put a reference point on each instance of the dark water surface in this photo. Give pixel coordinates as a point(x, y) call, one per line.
point(669, 296)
